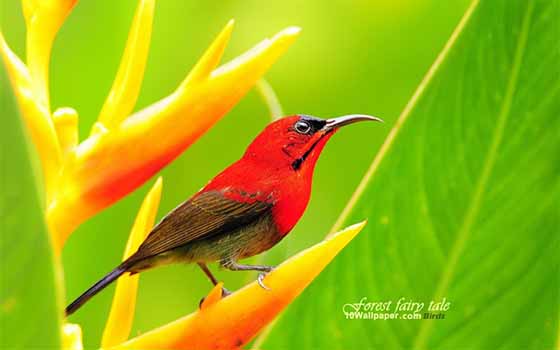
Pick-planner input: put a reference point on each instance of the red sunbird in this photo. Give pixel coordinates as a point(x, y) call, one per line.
point(245, 210)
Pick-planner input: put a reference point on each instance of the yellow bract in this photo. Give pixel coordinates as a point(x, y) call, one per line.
point(43, 19)
point(126, 87)
point(36, 117)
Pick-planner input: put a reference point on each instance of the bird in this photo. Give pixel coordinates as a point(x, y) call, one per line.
point(245, 210)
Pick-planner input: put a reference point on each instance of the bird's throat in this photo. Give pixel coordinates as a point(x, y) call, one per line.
point(296, 164)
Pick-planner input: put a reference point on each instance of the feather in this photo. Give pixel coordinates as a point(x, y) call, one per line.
point(205, 215)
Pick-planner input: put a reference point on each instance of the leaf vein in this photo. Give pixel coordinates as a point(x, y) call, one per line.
point(475, 203)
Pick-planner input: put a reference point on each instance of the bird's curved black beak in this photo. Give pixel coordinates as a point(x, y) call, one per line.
point(334, 123)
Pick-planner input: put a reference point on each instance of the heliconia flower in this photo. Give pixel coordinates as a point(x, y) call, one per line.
point(122, 151)
point(233, 321)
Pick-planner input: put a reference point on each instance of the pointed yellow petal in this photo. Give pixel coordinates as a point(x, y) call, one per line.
point(126, 87)
point(257, 60)
point(121, 316)
point(43, 18)
point(66, 124)
point(211, 58)
point(107, 166)
point(71, 337)
point(35, 116)
point(235, 320)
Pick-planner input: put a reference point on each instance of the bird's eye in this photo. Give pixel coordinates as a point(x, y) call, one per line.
point(302, 127)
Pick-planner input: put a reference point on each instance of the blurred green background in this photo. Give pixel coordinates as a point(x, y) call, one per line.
point(351, 57)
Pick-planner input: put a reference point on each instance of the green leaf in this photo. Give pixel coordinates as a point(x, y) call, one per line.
point(30, 315)
point(462, 202)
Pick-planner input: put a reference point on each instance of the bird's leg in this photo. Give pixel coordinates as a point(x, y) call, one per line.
point(208, 273)
point(234, 266)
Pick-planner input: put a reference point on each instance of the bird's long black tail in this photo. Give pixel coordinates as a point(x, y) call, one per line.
point(96, 288)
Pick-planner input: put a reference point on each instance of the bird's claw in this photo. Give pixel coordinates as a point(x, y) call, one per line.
point(225, 292)
point(260, 280)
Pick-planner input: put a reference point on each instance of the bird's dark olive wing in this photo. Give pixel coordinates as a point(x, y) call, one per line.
point(202, 216)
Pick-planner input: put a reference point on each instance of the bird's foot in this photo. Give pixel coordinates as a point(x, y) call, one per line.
point(234, 266)
point(261, 276)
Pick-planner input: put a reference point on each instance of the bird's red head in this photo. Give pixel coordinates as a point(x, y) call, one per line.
point(285, 154)
point(295, 142)
point(278, 165)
